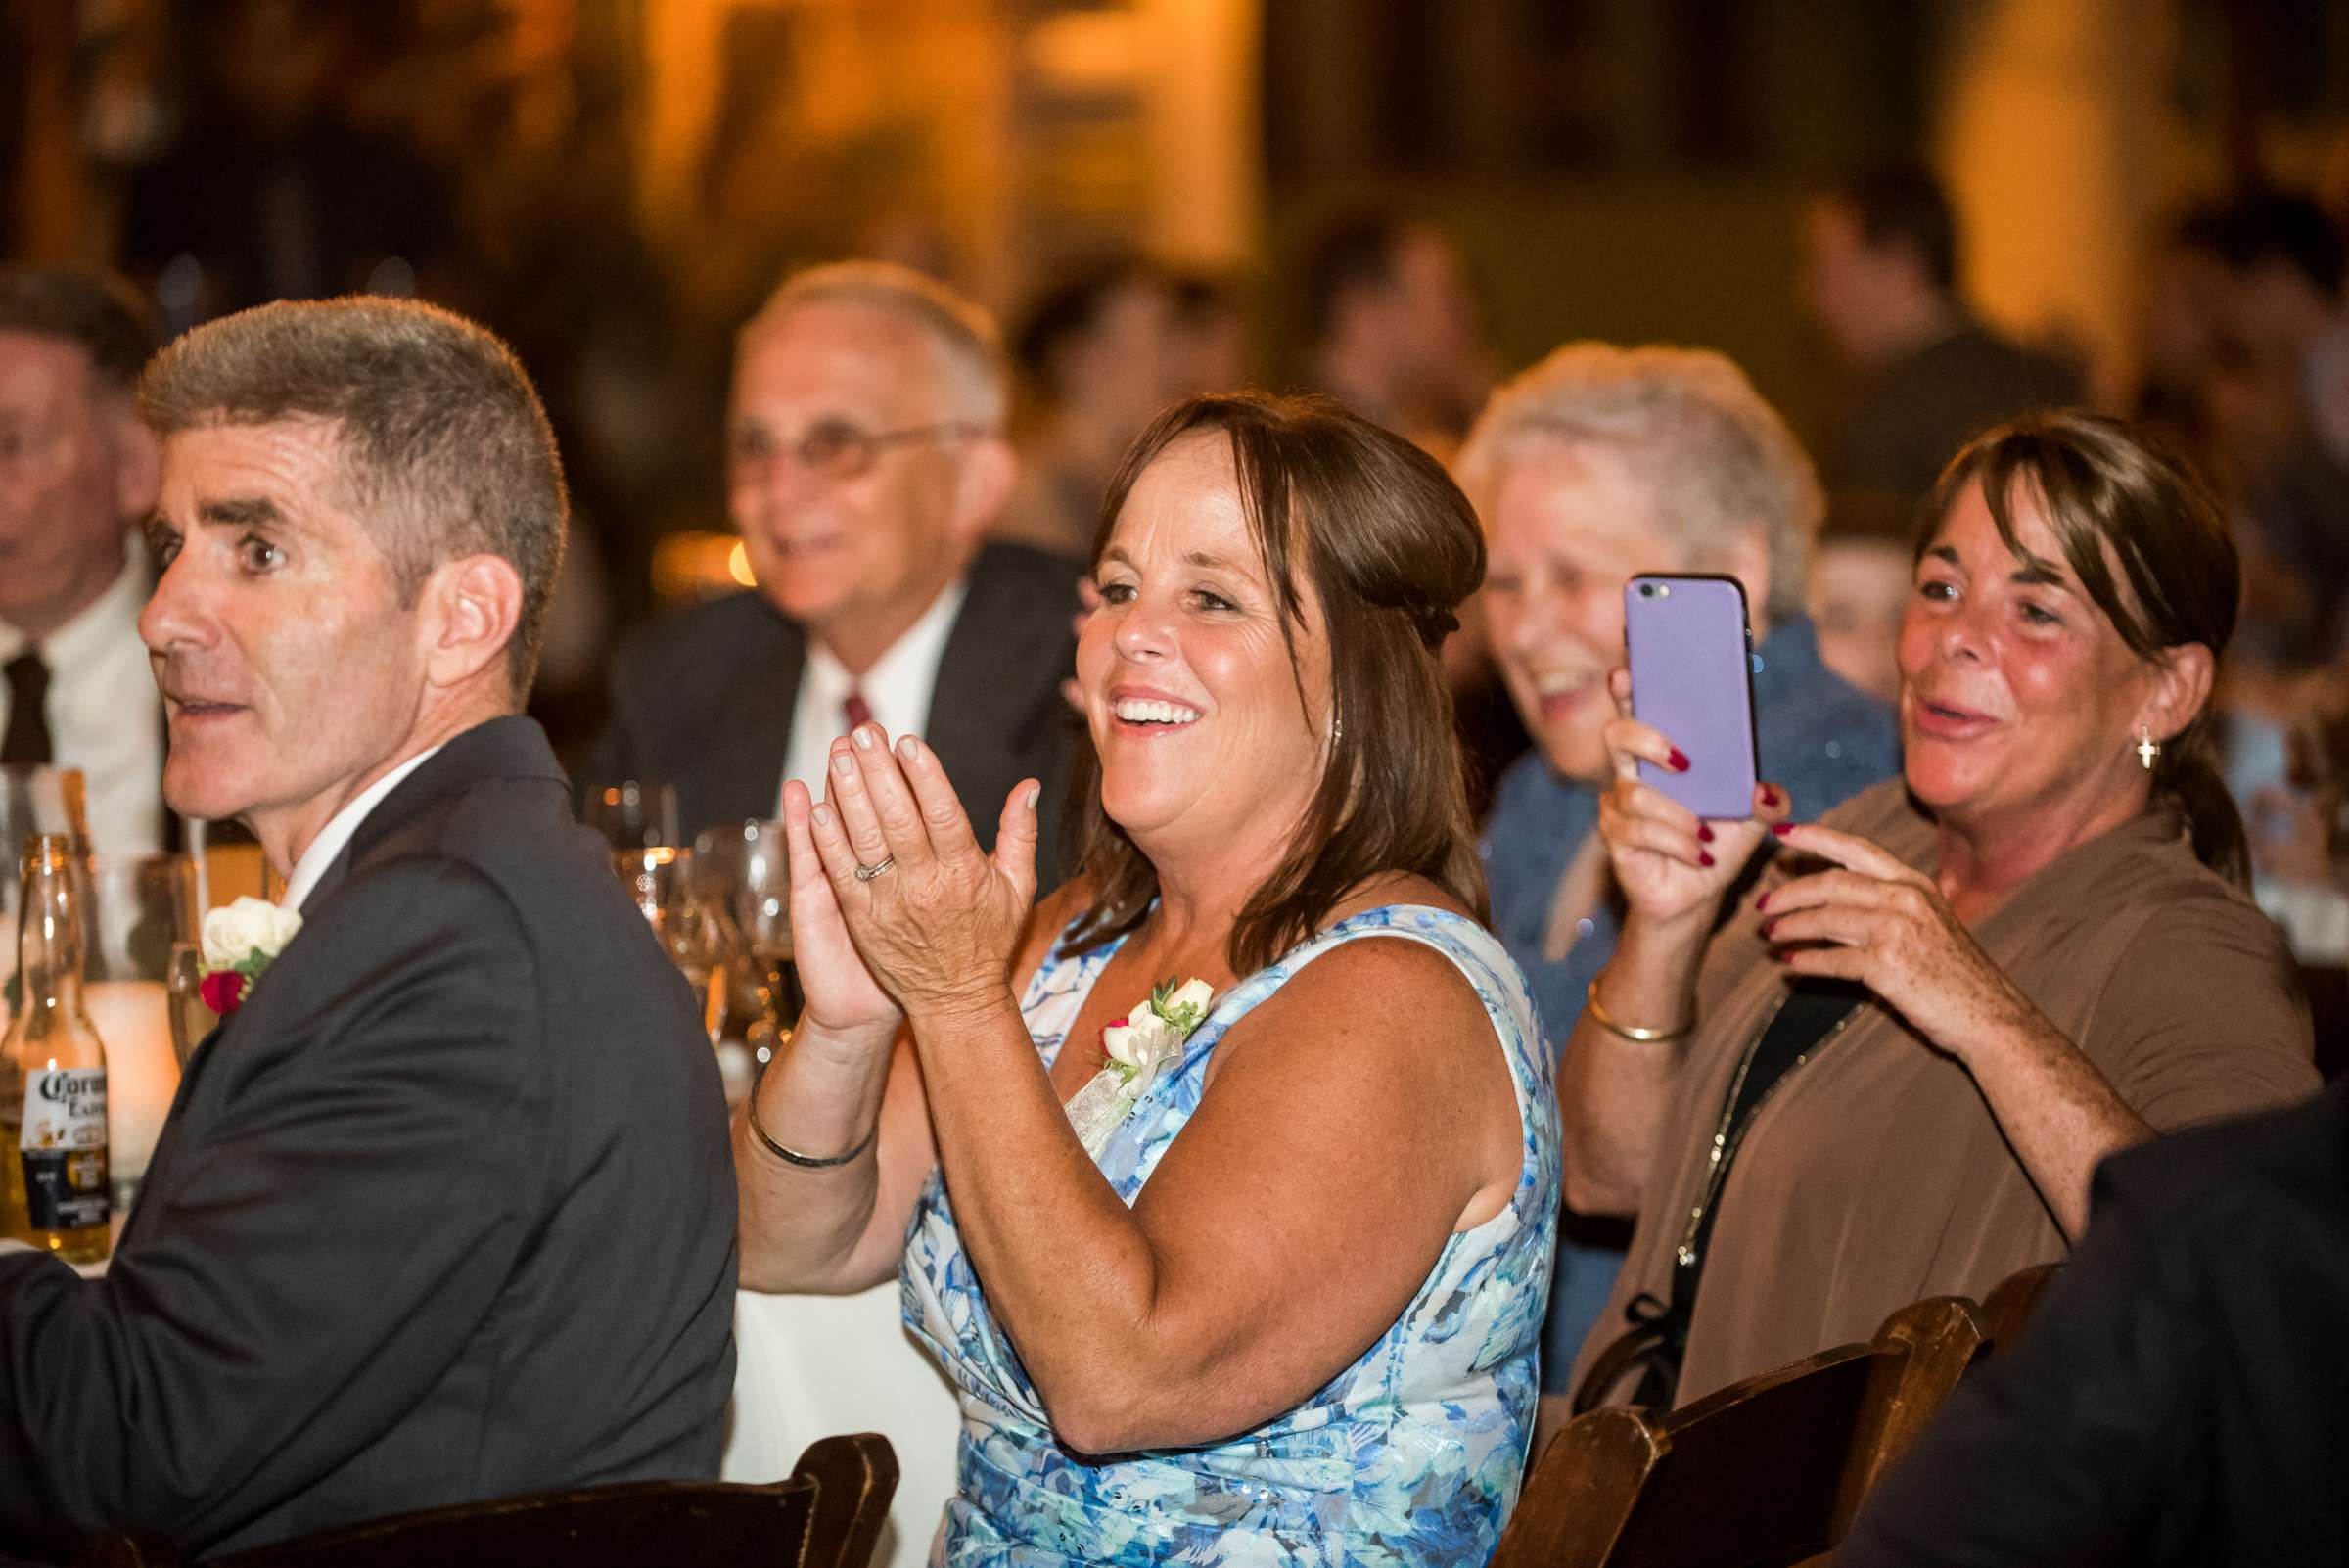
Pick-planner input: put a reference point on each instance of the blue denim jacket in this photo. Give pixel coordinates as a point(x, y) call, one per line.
point(1820, 738)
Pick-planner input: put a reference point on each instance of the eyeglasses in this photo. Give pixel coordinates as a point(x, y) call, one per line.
point(831, 449)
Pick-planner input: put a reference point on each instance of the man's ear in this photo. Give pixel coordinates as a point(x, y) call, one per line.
point(984, 472)
point(138, 461)
point(472, 610)
point(2181, 686)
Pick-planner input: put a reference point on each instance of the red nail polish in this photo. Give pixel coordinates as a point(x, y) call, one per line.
point(1762, 903)
point(1781, 829)
point(1679, 761)
point(1704, 833)
point(1704, 858)
point(1765, 929)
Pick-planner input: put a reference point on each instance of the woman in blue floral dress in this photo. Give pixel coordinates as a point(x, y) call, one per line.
point(1223, 1183)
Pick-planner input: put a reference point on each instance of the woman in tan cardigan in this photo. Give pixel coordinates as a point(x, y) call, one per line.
point(1889, 1069)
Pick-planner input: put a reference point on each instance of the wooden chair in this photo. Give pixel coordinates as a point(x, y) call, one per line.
point(2012, 1302)
point(1765, 1472)
point(828, 1515)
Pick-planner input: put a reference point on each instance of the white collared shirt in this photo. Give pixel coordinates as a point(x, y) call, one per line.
point(105, 716)
point(341, 826)
point(899, 689)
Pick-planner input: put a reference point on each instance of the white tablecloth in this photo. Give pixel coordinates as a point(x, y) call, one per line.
point(811, 1367)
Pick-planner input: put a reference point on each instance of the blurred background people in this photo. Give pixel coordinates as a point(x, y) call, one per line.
point(2030, 950)
point(1862, 569)
point(1879, 277)
point(865, 461)
point(77, 479)
point(1397, 334)
point(1597, 464)
point(1097, 358)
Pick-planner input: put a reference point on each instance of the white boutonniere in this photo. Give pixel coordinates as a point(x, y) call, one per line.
point(1134, 1048)
point(240, 940)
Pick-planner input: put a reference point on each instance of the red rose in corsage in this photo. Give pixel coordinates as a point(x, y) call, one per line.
point(239, 943)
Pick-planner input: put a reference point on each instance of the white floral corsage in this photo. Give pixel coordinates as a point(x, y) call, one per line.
point(239, 942)
point(1134, 1050)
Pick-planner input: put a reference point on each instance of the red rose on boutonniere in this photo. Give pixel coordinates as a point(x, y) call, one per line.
point(239, 942)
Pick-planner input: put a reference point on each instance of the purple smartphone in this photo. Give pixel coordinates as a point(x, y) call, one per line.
point(1692, 678)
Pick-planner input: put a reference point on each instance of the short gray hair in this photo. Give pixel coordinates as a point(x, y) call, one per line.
point(441, 438)
point(1718, 458)
point(969, 346)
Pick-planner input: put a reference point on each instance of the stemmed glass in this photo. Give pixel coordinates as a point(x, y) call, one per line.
point(748, 866)
point(140, 909)
point(691, 927)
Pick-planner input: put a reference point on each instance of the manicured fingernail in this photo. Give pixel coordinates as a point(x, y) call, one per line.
point(1679, 761)
point(1766, 927)
point(843, 764)
point(909, 747)
point(1772, 794)
point(1035, 793)
point(1704, 858)
point(1781, 829)
point(823, 815)
point(1762, 903)
point(863, 737)
point(1704, 833)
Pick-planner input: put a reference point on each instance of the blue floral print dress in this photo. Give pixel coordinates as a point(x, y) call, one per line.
point(1411, 1455)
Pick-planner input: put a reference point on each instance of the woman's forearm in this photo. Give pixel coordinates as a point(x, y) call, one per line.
point(801, 1225)
point(1068, 1273)
point(1612, 1091)
point(2059, 1114)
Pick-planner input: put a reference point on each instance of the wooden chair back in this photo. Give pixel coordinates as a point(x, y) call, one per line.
point(1765, 1472)
point(2010, 1304)
point(828, 1514)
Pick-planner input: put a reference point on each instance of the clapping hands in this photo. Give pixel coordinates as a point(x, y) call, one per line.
point(894, 907)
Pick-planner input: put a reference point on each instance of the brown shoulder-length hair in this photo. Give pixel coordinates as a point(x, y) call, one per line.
point(2112, 493)
point(1389, 547)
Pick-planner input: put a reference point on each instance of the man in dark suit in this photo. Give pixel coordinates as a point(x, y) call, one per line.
point(866, 460)
point(1879, 274)
point(76, 477)
point(2181, 1396)
point(444, 1210)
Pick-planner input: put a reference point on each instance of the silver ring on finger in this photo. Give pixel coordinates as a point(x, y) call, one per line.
point(866, 873)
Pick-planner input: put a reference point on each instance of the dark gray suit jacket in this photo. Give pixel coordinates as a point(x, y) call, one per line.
point(445, 1212)
point(702, 701)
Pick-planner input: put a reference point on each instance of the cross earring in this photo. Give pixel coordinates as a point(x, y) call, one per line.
point(2147, 747)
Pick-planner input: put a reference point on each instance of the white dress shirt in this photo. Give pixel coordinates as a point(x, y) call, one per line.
point(105, 716)
point(898, 689)
point(341, 826)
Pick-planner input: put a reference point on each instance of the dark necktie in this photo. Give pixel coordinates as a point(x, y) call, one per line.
point(28, 738)
point(860, 711)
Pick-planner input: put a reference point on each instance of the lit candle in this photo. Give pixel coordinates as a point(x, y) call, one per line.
point(141, 1072)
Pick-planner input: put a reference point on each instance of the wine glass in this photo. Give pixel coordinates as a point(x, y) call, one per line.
point(634, 813)
point(748, 866)
point(691, 927)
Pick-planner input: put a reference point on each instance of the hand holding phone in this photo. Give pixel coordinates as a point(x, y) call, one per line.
point(1691, 662)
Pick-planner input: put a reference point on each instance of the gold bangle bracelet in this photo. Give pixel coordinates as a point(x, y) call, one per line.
point(1646, 1036)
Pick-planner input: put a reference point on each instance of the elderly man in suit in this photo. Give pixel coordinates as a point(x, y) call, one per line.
point(76, 477)
point(444, 1209)
point(866, 460)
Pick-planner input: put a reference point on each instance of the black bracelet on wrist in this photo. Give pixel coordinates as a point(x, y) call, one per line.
point(807, 1162)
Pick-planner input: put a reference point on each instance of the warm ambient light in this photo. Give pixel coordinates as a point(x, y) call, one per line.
point(738, 566)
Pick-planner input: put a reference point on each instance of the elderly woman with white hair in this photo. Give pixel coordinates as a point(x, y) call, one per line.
point(1597, 464)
